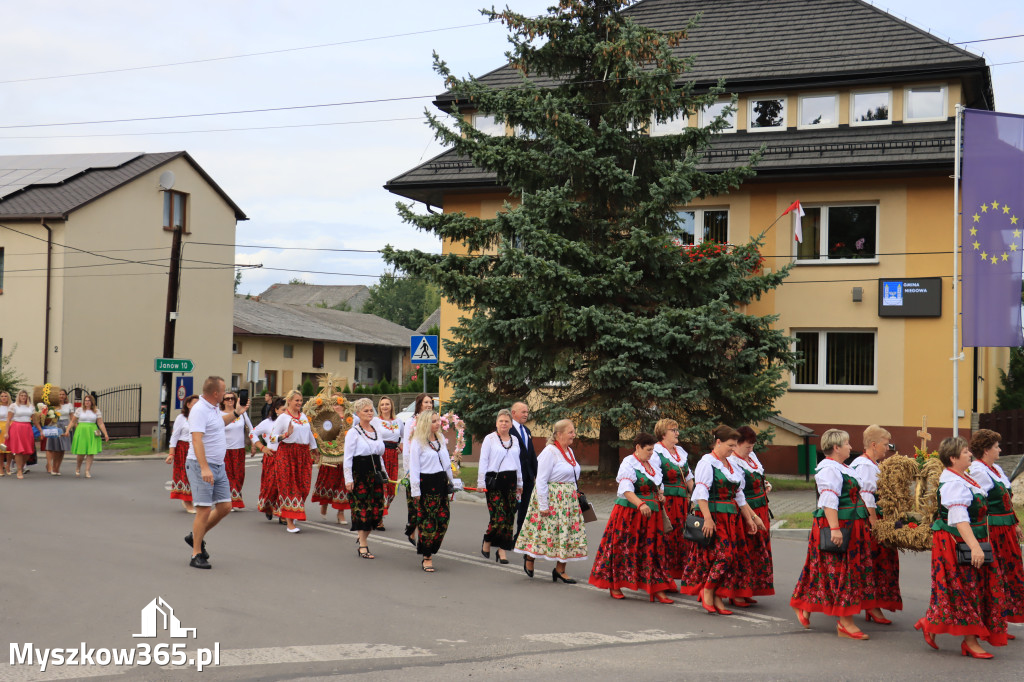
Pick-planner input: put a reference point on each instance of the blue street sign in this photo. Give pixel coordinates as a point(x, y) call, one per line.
point(423, 350)
point(182, 390)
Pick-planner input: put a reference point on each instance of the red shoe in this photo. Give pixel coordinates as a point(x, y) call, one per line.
point(803, 617)
point(751, 600)
point(966, 651)
point(846, 634)
point(615, 595)
point(881, 620)
point(1009, 636)
point(662, 599)
point(724, 612)
point(746, 604)
point(929, 638)
point(709, 609)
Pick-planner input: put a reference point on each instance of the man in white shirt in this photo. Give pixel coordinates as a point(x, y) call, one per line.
point(211, 492)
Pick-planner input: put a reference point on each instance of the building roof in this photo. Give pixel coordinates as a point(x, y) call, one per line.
point(258, 318)
point(317, 294)
point(52, 186)
point(433, 321)
point(790, 425)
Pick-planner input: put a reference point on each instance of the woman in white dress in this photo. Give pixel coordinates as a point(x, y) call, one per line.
point(293, 465)
point(423, 402)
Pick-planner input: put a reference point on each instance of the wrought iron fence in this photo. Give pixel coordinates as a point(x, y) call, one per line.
point(121, 407)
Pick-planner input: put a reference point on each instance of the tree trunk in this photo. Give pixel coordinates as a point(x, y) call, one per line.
point(607, 448)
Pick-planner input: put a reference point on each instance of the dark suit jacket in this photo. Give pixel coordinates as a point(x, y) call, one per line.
point(527, 456)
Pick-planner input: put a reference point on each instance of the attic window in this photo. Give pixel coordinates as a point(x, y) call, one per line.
point(870, 108)
point(818, 111)
point(489, 125)
point(708, 116)
point(175, 208)
point(767, 114)
point(673, 126)
point(925, 103)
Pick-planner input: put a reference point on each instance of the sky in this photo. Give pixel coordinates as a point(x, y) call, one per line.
point(310, 177)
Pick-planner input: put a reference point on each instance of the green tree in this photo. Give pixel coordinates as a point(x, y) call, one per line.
point(10, 379)
point(402, 300)
point(1010, 394)
point(307, 388)
point(344, 306)
point(582, 292)
point(238, 278)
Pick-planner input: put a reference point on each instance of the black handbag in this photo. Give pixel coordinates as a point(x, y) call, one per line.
point(451, 486)
point(963, 553)
point(586, 508)
point(694, 531)
point(825, 543)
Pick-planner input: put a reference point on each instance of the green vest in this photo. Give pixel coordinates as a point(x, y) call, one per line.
point(850, 504)
point(722, 495)
point(673, 476)
point(977, 512)
point(754, 489)
point(1000, 504)
point(645, 489)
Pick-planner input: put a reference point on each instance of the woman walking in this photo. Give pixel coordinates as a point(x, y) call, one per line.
point(967, 600)
point(264, 440)
point(423, 402)
point(58, 446)
point(632, 552)
point(430, 473)
point(181, 438)
point(293, 464)
point(364, 474)
point(5, 456)
point(677, 484)
point(715, 572)
point(757, 554)
point(234, 457)
point(1003, 528)
point(330, 489)
point(391, 431)
point(500, 478)
point(554, 528)
point(21, 443)
point(87, 423)
point(838, 584)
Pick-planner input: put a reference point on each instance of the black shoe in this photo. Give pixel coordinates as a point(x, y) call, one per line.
point(203, 553)
point(269, 515)
point(487, 554)
point(199, 561)
point(528, 571)
point(499, 560)
point(556, 576)
point(412, 541)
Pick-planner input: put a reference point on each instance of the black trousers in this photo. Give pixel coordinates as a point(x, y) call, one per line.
point(524, 504)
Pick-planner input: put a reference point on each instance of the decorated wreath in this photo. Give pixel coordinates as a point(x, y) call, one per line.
point(330, 417)
point(908, 495)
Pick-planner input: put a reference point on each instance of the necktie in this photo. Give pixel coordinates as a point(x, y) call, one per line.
point(522, 431)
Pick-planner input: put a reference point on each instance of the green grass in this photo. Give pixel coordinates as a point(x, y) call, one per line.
point(129, 446)
point(797, 520)
point(790, 483)
point(468, 475)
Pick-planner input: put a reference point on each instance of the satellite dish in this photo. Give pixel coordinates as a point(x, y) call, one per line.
point(167, 180)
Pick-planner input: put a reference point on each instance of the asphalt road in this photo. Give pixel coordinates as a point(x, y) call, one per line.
point(82, 558)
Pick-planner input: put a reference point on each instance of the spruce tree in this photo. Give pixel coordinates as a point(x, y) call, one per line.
point(579, 292)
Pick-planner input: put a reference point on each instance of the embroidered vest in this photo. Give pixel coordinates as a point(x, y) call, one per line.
point(850, 505)
point(673, 476)
point(977, 512)
point(1000, 505)
point(722, 495)
point(754, 489)
point(643, 488)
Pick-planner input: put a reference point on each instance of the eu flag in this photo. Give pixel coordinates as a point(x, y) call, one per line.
point(991, 227)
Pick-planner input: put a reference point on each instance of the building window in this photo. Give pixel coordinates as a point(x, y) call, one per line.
point(835, 360)
point(369, 372)
point(839, 233)
point(343, 355)
point(236, 347)
point(355, 374)
point(289, 350)
point(870, 108)
point(925, 103)
point(818, 111)
point(271, 380)
point(708, 116)
point(175, 204)
point(714, 226)
point(236, 381)
point(767, 114)
point(318, 354)
point(489, 125)
point(673, 126)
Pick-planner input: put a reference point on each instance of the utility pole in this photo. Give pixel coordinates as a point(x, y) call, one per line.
point(167, 378)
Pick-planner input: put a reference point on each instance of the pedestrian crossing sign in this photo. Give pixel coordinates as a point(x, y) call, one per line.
point(424, 350)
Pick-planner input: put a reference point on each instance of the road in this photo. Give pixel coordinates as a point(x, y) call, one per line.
point(82, 558)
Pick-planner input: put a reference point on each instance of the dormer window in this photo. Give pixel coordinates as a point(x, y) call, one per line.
point(708, 116)
point(673, 126)
point(870, 108)
point(818, 111)
point(766, 113)
point(925, 103)
point(489, 125)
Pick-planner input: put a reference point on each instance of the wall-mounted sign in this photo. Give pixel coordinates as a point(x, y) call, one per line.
point(910, 297)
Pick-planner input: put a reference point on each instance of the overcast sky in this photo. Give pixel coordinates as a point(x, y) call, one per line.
point(313, 186)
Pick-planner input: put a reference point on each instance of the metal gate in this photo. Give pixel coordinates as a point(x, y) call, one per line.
point(121, 407)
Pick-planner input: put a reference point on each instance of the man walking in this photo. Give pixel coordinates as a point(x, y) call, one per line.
point(527, 458)
point(211, 492)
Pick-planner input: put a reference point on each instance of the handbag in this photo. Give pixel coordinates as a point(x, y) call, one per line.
point(666, 522)
point(451, 486)
point(963, 553)
point(378, 477)
point(694, 531)
point(825, 543)
point(586, 508)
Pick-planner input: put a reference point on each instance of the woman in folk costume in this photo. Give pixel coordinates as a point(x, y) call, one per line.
point(885, 560)
point(715, 572)
point(364, 474)
point(181, 438)
point(677, 480)
point(423, 402)
point(430, 472)
point(500, 478)
point(234, 457)
point(391, 431)
point(967, 600)
point(293, 463)
point(837, 583)
point(263, 439)
point(330, 489)
point(632, 552)
point(757, 557)
point(1004, 530)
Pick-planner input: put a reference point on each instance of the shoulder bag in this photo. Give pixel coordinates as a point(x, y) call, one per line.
point(694, 530)
point(586, 508)
point(491, 477)
point(825, 543)
point(451, 486)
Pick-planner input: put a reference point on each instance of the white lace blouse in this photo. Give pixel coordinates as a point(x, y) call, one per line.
point(626, 475)
point(552, 467)
point(866, 471)
point(956, 495)
point(424, 459)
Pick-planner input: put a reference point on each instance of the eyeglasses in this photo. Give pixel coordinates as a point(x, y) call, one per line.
point(226, 398)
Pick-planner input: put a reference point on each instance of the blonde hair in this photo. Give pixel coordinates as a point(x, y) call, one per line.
point(423, 427)
point(291, 394)
point(391, 402)
point(28, 400)
point(832, 439)
point(560, 427)
point(875, 434)
point(663, 426)
point(360, 404)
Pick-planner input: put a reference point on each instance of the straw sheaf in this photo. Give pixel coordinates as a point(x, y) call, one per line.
point(907, 495)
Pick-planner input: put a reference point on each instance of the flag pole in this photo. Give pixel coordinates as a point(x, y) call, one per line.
point(957, 355)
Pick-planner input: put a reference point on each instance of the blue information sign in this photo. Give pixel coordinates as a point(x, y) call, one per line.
point(423, 350)
point(182, 390)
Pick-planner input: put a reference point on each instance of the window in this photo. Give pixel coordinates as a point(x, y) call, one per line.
point(369, 372)
point(343, 355)
point(236, 347)
point(708, 116)
point(767, 114)
point(174, 211)
point(318, 354)
point(355, 374)
point(841, 360)
point(714, 226)
point(818, 111)
point(289, 350)
point(489, 125)
point(925, 103)
point(839, 233)
point(271, 380)
point(673, 126)
point(236, 381)
point(870, 108)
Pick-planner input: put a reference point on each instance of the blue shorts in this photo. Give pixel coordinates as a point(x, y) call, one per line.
point(203, 493)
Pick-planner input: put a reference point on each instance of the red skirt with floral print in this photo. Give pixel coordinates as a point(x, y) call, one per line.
point(836, 584)
point(719, 564)
point(330, 487)
point(267, 501)
point(1006, 549)
point(756, 558)
point(676, 548)
point(293, 468)
point(631, 555)
point(180, 489)
point(887, 577)
point(234, 467)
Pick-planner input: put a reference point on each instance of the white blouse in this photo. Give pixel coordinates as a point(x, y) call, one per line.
point(266, 429)
point(704, 476)
point(627, 474)
point(552, 467)
point(661, 453)
point(866, 471)
point(180, 432)
point(88, 416)
point(956, 495)
point(21, 413)
point(829, 479)
point(358, 444)
point(983, 475)
point(424, 459)
point(390, 429)
point(495, 457)
point(407, 429)
point(234, 433)
point(302, 431)
point(64, 411)
point(3, 413)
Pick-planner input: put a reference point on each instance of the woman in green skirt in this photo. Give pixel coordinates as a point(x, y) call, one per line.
point(87, 424)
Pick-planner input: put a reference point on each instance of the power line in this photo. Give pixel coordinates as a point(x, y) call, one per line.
point(988, 40)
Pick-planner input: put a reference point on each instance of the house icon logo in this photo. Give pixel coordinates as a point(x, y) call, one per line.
point(159, 615)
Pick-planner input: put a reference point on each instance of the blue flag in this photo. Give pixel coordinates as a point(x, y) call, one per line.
point(991, 228)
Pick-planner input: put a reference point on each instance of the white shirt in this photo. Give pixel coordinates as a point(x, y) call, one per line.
point(407, 429)
point(704, 476)
point(64, 411)
point(829, 479)
point(424, 459)
point(552, 467)
point(234, 433)
point(389, 429)
point(266, 429)
point(21, 413)
point(205, 418)
point(626, 476)
point(495, 457)
point(358, 444)
point(3, 413)
point(956, 495)
point(522, 433)
point(180, 432)
point(866, 471)
point(302, 430)
point(983, 475)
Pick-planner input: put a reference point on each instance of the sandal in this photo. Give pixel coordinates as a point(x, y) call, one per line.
point(426, 569)
point(364, 552)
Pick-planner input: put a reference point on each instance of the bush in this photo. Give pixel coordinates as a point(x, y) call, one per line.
point(384, 386)
point(307, 388)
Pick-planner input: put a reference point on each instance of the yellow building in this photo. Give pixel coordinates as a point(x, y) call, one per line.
point(856, 110)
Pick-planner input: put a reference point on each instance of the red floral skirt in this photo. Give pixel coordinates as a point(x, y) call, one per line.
point(632, 553)
point(676, 549)
point(180, 489)
point(330, 487)
point(268, 485)
point(887, 576)
point(756, 557)
point(234, 467)
point(293, 469)
point(391, 466)
point(836, 584)
point(1006, 549)
point(719, 564)
point(965, 600)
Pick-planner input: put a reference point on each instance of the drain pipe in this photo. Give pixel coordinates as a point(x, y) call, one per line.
point(46, 322)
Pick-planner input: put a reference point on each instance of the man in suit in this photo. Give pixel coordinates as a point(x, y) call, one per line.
point(527, 458)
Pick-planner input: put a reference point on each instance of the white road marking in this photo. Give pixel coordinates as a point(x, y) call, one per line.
point(316, 653)
point(595, 638)
point(18, 673)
